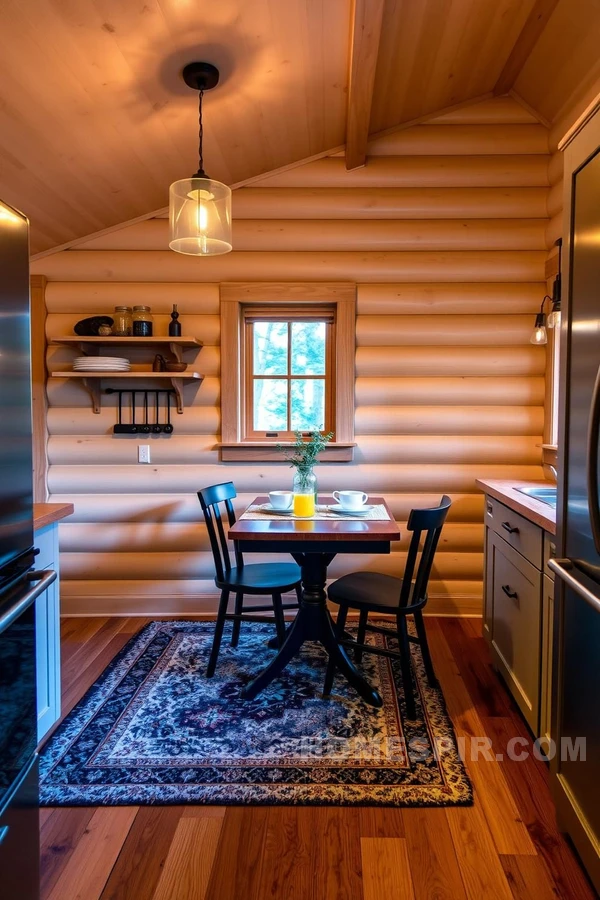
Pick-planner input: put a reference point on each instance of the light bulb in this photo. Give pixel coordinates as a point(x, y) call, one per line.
point(539, 335)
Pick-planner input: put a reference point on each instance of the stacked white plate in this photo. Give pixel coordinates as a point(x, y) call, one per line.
point(101, 364)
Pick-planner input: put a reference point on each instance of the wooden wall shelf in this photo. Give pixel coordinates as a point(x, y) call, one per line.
point(92, 381)
point(90, 346)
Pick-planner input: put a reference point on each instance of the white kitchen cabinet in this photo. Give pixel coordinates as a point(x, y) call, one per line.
point(518, 609)
point(47, 623)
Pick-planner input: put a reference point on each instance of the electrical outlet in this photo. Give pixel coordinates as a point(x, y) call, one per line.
point(143, 453)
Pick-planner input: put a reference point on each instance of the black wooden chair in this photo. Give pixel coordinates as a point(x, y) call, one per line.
point(378, 593)
point(258, 578)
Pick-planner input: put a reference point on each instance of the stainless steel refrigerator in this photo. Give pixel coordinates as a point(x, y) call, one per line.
point(576, 688)
point(20, 584)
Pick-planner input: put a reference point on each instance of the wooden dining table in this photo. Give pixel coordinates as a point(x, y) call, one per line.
point(313, 543)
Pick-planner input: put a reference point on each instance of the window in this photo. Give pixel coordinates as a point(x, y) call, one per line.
point(287, 365)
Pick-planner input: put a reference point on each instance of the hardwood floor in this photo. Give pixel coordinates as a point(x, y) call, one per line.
point(505, 847)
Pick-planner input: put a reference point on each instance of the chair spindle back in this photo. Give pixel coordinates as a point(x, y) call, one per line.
point(430, 521)
point(216, 505)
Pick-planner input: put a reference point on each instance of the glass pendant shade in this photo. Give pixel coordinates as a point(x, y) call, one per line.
point(539, 335)
point(200, 217)
point(554, 318)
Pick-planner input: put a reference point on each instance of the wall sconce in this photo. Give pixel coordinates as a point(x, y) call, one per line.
point(200, 208)
point(539, 335)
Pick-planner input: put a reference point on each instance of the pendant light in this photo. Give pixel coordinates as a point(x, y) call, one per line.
point(554, 315)
point(539, 334)
point(200, 208)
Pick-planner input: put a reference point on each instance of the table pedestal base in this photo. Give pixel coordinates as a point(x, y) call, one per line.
point(313, 623)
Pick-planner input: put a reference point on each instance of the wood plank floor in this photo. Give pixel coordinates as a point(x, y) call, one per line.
point(505, 847)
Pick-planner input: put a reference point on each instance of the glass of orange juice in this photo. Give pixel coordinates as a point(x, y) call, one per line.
point(304, 505)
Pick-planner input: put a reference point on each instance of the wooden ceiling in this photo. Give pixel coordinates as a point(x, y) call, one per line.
point(95, 121)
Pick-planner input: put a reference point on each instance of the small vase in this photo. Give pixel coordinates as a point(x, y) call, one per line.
point(305, 493)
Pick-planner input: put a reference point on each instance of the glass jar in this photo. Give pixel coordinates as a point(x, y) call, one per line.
point(142, 321)
point(305, 493)
point(122, 321)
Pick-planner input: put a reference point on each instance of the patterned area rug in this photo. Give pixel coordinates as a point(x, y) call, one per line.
point(154, 730)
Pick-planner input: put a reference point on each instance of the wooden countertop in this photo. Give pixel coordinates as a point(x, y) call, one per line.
point(532, 509)
point(48, 513)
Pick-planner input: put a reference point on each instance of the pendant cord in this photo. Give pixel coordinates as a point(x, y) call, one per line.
point(200, 135)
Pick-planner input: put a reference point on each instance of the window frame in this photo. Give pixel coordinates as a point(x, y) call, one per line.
point(340, 300)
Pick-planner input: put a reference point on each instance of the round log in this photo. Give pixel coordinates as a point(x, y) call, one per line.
point(71, 393)
point(384, 266)
point(554, 229)
point(556, 167)
point(86, 298)
point(172, 537)
point(494, 111)
point(388, 203)
point(200, 565)
point(462, 140)
point(178, 507)
point(449, 420)
point(276, 235)
point(418, 391)
point(418, 172)
point(382, 331)
point(80, 420)
point(205, 328)
point(448, 299)
point(260, 477)
point(555, 199)
point(448, 361)
point(430, 448)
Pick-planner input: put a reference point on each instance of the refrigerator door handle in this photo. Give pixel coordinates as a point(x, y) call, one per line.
point(42, 580)
point(560, 567)
point(592, 462)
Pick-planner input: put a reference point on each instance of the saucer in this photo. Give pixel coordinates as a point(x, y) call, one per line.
point(266, 507)
point(361, 511)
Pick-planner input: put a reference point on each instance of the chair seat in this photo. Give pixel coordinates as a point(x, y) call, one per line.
point(261, 578)
point(372, 590)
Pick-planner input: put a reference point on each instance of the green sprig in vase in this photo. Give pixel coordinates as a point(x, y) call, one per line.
point(303, 458)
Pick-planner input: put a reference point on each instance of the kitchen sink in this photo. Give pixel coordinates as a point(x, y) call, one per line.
point(542, 493)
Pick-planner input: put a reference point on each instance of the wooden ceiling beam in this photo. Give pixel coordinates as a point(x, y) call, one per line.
point(530, 34)
point(367, 16)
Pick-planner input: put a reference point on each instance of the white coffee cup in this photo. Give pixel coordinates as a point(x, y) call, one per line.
point(281, 499)
point(350, 499)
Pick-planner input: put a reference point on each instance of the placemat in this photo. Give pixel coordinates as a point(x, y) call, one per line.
point(258, 511)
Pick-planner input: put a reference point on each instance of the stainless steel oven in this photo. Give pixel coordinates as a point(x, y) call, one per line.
point(18, 738)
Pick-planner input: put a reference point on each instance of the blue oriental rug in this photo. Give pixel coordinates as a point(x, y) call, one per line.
point(154, 730)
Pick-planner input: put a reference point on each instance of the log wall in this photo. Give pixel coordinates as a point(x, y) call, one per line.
point(445, 233)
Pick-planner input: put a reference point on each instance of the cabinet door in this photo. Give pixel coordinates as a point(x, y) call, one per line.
point(47, 634)
point(488, 587)
point(516, 634)
point(547, 640)
point(47, 642)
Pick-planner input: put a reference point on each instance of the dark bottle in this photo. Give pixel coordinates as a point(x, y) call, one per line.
point(174, 324)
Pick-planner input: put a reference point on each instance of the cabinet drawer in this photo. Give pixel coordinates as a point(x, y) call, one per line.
point(516, 625)
point(46, 541)
point(517, 531)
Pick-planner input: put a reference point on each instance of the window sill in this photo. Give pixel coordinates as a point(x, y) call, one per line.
point(265, 451)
